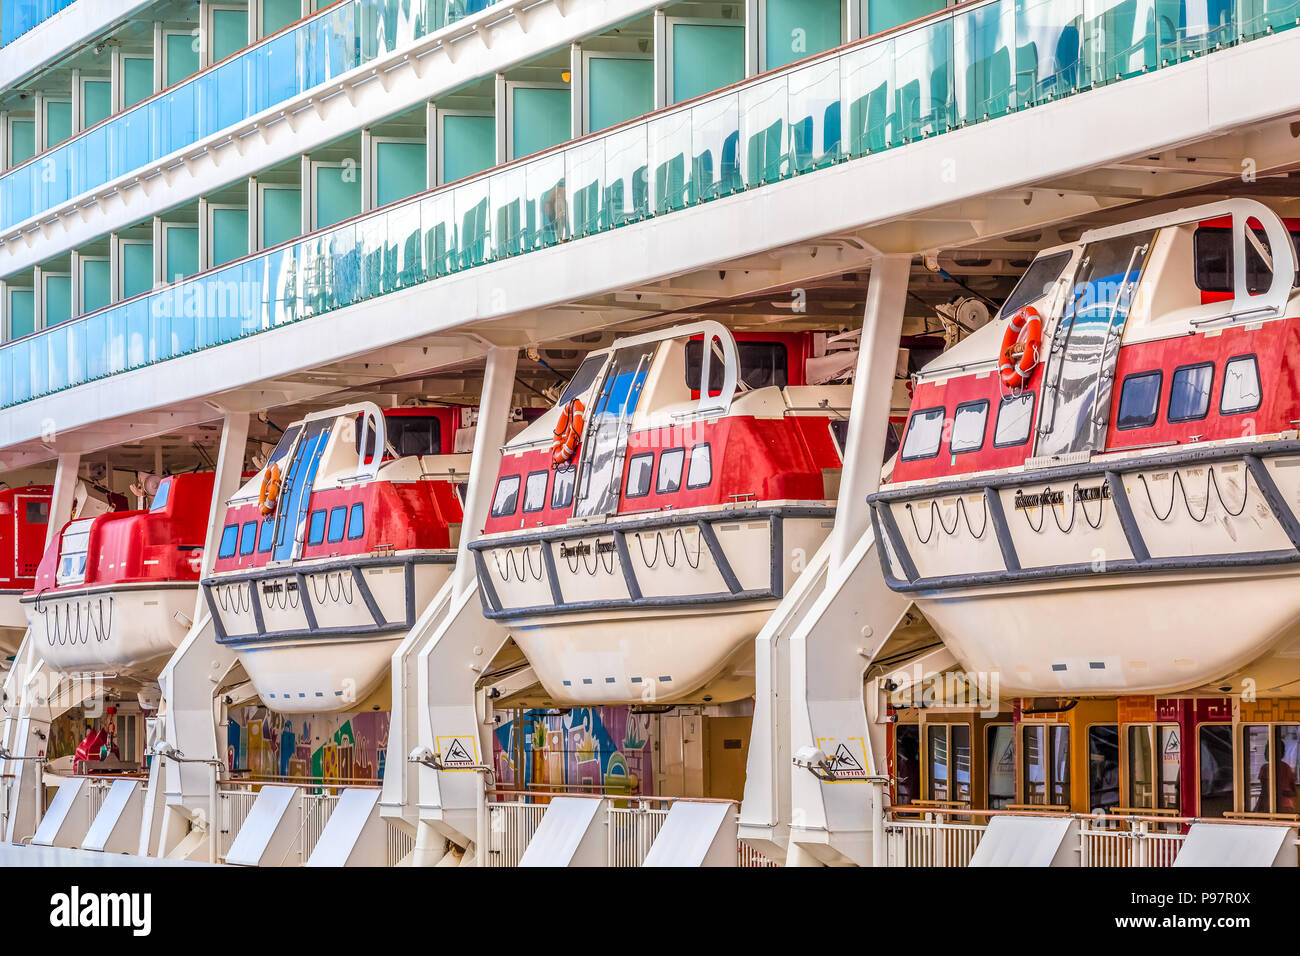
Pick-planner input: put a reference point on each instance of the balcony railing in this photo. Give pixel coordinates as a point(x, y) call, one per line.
point(19, 16)
point(303, 56)
point(964, 66)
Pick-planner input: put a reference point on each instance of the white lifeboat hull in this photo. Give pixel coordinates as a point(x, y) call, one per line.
point(657, 610)
point(1045, 580)
point(317, 637)
point(13, 621)
point(129, 629)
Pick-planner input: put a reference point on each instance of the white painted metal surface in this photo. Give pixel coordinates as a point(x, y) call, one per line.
point(572, 833)
point(269, 836)
point(1223, 844)
point(354, 834)
point(116, 827)
point(68, 818)
point(1028, 841)
point(695, 834)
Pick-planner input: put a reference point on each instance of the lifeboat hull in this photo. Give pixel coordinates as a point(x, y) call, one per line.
point(317, 637)
point(128, 629)
point(13, 621)
point(647, 610)
point(1130, 574)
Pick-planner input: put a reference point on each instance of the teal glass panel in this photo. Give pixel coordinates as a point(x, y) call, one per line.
point(799, 28)
point(137, 79)
point(627, 191)
point(1049, 61)
point(984, 45)
point(58, 299)
point(58, 121)
point(584, 168)
point(886, 14)
point(278, 14)
point(96, 284)
point(1257, 17)
point(137, 268)
point(19, 16)
point(922, 96)
point(96, 104)
point(540, 119)
point(229, 235)
point(765, 132)
point(468, 146)
point(338, 193)
point(815, 130)
point(181, 255)
point(618, 89)
point(182, 57)
point(229, 33)
point(400, 171)
point(22, 312)
point(281, 215)
point(22, 141)
point(706, 57)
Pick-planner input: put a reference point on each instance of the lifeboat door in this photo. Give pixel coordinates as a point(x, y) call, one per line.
point(600, 470)
point(1079, 378)
point(295, 489)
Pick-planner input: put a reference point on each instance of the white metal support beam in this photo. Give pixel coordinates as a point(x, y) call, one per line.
point(65, 486)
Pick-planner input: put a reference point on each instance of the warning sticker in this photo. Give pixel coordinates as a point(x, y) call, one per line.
point(847, 758)
point(459, 752)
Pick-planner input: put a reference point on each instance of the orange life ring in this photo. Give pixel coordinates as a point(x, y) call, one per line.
point(1017, 370)
point(269, 496)
point(568, 433)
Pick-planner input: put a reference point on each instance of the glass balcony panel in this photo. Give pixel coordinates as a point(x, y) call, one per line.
point(55, 341)
point(714, 163)
point(546, 218)
point(404, 256)
point(765, 132)
point(984, 45)
point(372, 246)
point(96, 345)
point(20, 370)
point(1258, 17)
point(815, 129)
point(584, 174)
point(438, 223)
point(670, 152)
point(508, 192)
point(76, 333)
point(627, 178)
point(1120, 38)
point(922, 103)
point(868, 79)
point(472, 228)
point(280, 286)
point(138, 348)
point(1048, 50)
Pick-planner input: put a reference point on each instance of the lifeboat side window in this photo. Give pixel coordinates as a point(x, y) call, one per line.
point(266, 536)
point(506, 498)
point(1139, 400)
point(1036, 282)
point(535, 491)
point(700, 474)
point(669, 479)
point(160, 499)
point(1241, 389)
point(1189, 392)
point(316, 529)
point(761, 364)
point(229, 541)
point(924, 432)
point(583, 378)
point(338, 521)
point(1212, 250)
point(1015, 416)
point(639, 470)
point(248, 538)
point(562, 487)
point(969, 423)
point(1216, 796)
point(356, 521)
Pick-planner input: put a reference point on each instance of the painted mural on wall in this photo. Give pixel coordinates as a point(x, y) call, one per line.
point(587, 747)
point(337, 747)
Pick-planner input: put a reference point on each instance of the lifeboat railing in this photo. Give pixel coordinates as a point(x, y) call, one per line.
point(925, 836)
point(618, 530)
point(1110, 471)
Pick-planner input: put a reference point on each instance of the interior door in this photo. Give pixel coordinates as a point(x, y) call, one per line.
point(295, 489)
point(1080, 374)
point(608, 428)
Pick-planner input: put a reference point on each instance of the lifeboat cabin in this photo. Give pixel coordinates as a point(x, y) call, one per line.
point(643, 529)
point(24, 519)
point(117, 591)
point(331, 550)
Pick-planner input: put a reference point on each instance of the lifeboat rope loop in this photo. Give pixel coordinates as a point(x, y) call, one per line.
point(1076, 505)
point(573, 559)
point(678, 537)
point(524, 564)
point(1209, 480)
point(67, 627)
point(233, 598)
point(344, 593)
point(936, 517)
point(283, 599)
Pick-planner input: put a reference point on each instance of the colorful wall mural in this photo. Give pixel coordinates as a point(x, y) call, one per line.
point(341, 747)
point(588, 748)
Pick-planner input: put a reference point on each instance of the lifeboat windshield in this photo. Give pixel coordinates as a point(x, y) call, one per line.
point(608, 430)
point(1078, 385)
point(296, 489)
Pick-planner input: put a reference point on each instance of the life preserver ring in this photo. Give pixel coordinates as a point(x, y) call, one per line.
point(1017, 369)
point(568, 433)
point(269, 496)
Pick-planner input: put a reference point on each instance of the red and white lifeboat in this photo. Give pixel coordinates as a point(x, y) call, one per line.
point(1121, 515)
point(117, 591)
point(642, 530)
point(24, 519)
point(331, 550)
